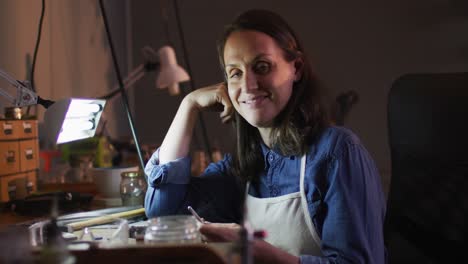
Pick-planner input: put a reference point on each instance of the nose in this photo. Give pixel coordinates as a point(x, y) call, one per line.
point(250, 81)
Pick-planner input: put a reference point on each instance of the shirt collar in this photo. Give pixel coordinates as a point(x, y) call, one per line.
point(266, 150)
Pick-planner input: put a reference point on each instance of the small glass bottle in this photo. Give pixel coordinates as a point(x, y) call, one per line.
point(132, 188)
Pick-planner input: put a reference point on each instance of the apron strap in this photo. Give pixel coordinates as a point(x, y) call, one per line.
point(304, 204)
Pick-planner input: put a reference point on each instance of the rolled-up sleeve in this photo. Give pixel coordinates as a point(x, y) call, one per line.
point(175, 172)
point(167, 185)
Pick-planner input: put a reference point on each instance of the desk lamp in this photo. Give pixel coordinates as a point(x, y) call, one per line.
point(66, 120)
point(169, 73)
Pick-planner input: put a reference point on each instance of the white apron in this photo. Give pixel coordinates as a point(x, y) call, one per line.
point(286, 219)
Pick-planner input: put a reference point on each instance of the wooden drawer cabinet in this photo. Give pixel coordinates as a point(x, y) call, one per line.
point(21, 183)
point(19, 157)
point(28, 154)
point(28, 129)
point(9, 160)
point(18, 129)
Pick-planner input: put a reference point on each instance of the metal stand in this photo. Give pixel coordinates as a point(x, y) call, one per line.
point(122, 87)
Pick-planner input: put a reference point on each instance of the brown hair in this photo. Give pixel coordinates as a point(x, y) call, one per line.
point(303, 118)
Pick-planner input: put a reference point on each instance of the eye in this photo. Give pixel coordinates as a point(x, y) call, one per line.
point(235, 74)
point(262, 67)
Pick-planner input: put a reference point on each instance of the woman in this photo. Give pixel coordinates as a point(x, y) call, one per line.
point(313, 187)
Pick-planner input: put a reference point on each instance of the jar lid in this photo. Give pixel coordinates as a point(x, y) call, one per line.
point(130, 174)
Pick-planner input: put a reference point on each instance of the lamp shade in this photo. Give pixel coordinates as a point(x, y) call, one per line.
point(170, 73)
point(73, 119)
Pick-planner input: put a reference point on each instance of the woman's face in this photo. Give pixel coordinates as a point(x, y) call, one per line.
point(260, 80)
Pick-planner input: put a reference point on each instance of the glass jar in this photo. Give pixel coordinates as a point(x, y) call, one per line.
point(12, 192)
point(132, 188)
point(173, 229)
point(13, 113)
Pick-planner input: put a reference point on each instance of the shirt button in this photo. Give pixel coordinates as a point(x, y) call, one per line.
point(274, 192)
point(270, 157)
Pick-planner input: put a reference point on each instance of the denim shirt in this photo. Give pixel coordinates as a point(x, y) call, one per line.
point(342, 185)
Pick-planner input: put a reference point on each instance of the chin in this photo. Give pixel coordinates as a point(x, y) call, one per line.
point(259, 123)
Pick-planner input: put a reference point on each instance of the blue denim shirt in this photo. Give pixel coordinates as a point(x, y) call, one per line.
point(342, 185)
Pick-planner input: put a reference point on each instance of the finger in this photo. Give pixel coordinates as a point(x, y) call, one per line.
point(222, 226)
point(228, 108)
point(227, 113)
point(219, 232)
point(226, 119)
point(211, 233)
point(212, 86)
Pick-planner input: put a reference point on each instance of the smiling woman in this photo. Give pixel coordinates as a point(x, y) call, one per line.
point(260, 80)
point(311, 186)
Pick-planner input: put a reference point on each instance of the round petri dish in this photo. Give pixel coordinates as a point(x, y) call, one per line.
point(173, 229)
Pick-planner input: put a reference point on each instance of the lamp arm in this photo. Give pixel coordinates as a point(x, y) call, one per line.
point(24, 94)
point(10, 98)
point(134, 76)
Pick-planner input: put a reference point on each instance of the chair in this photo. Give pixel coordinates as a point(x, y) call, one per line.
point(427, 214)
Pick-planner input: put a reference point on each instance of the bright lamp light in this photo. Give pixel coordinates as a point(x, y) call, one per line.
point(73, 119)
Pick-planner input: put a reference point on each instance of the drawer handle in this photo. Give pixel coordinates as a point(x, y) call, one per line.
point(10, 157)
point(29, 154)
point(27, 127)
point(7, 129)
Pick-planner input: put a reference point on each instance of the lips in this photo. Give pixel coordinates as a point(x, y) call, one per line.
point(255, 101)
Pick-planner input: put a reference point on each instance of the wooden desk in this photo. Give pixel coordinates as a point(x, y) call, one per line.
point(216, 253)
point(8, 218)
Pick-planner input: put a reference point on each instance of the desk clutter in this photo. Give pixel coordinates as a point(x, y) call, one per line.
point(117, 234)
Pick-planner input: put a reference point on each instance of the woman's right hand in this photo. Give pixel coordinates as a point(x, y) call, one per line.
point(263, 252)
point(176, 144)
point(212, 98)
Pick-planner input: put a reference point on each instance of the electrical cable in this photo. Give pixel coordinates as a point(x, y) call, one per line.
point(36, 49)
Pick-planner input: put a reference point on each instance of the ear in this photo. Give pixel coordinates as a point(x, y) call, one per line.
point(299, 68)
